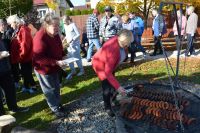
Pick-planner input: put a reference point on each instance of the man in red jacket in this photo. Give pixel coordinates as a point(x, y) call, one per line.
point(105, 62)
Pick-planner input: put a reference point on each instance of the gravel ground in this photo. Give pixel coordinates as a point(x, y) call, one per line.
point(88, 116)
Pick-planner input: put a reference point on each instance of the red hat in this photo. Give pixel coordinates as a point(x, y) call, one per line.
point(96, 11)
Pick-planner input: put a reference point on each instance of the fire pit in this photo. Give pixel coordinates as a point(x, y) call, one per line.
point(150, 108)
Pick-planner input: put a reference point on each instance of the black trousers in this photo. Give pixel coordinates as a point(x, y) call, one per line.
point(26, 71)
point(7, 84)
point(15, 72)
point(108, 91)
point(157, 45)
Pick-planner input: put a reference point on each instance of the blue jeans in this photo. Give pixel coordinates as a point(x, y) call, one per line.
point(51, 89)
point(92, 42)
point(190, 44)
point(75, 52)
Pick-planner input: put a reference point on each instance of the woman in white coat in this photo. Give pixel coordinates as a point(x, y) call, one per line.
point(73, 39)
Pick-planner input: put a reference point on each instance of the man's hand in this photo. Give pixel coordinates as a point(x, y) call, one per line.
point(60, 63)
point(121, 90)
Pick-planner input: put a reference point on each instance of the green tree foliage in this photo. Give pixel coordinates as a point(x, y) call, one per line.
point(53, 4)
point(10, 7)
point(101, 5)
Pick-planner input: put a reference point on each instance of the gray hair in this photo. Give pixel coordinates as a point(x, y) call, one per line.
point(14, 19)
point(191, 8)
point(125, 35)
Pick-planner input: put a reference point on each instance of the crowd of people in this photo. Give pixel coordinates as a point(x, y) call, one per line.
point(114, 36)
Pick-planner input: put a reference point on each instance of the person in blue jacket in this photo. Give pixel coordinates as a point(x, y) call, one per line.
point(140, 23)
point(159, 29)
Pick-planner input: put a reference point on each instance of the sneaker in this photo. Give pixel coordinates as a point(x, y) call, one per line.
point(70, 75)
point(61, 108)
point(20, 109)
point(80, 73)
point(60, 112)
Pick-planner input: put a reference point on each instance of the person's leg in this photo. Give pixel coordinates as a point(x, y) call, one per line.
point(2, 111)
point(189, 45)
point(156, 41)
point(79, 62)
point(139, 45)
point(50, 87)
point(26, 71)
point(97, 43)
point(7, 84)
point(16, 74)
point(132, 50)
point(160, 45)
point(90, 49)
point(107, 93)
point(192, 45)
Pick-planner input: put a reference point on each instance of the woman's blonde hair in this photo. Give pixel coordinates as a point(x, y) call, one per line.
point(125, 37)
point(49, 19)
point(125, 18)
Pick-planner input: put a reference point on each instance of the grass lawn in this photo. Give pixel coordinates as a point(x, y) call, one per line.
point(40, 116)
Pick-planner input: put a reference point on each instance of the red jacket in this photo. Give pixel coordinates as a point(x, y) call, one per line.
point(106, 60)
point(46, 51)
point(21, 46)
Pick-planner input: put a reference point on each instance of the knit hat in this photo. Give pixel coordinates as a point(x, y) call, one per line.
point(108, 9)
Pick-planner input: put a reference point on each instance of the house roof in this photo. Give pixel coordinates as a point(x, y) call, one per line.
point(38, 2)
point(42, 2)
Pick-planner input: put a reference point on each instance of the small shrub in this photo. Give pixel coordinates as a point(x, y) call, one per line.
point(77, 12)
point(68, 12)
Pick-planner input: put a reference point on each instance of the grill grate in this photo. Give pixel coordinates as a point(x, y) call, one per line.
point(149, 125)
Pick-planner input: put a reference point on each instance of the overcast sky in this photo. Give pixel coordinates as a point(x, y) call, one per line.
point(78, 2)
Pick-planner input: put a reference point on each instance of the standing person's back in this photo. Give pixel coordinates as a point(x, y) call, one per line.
point(92, 33)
